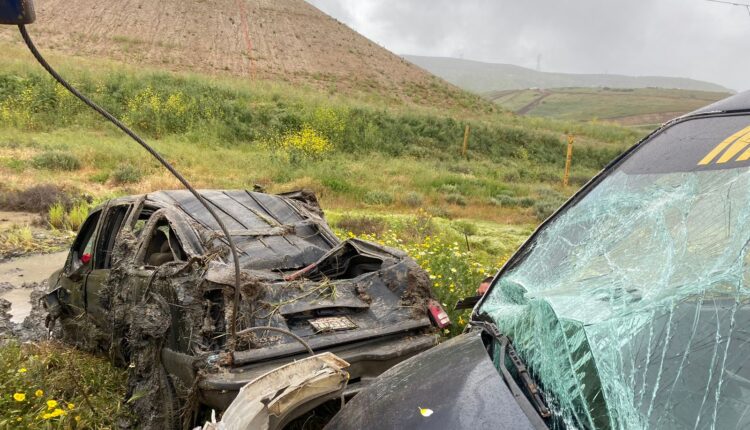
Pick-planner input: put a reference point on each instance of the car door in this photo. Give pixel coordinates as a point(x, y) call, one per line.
point(79, 264)
point(97, 306)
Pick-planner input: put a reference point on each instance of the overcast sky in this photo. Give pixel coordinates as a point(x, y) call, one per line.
point(684, 38)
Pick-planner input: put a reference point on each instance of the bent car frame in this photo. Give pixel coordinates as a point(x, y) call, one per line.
point(148, 280)
point(627, 308)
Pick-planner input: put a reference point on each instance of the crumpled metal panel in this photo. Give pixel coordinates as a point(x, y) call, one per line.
point(631, 306)
point(266, 402)
point(268, 230)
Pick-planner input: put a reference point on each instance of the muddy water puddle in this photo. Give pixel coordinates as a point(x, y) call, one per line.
point(30, 269)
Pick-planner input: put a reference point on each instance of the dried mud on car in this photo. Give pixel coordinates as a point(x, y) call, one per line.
point(158, 295)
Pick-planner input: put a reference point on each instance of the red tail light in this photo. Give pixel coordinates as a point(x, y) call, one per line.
point(439, 317)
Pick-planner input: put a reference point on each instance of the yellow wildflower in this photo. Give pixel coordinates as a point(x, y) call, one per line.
point(51, 404)
point(38, 393)
point(22, 370)
point(19, 397)
point(54, 414)
point(71, 405)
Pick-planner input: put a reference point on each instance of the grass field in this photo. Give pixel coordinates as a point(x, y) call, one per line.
point(235, 133)
point(392, 174)
point(630, 107)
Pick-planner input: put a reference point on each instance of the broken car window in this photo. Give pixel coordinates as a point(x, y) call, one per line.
point(163, 245)
point(631, 306)
point(84, 243)
point(110, 229)
point(143, 216)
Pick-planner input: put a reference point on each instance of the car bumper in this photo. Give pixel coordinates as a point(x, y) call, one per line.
point(367, 360)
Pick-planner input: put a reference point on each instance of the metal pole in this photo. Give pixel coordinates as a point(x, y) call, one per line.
point(467, 131)
point(568, 159)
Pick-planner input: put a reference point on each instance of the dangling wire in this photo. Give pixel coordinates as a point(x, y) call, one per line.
point(745, 5)
point(163, 161)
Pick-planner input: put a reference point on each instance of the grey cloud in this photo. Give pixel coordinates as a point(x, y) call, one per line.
point(686, 38)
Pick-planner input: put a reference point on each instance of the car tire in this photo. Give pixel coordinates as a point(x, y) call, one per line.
point(170, 410)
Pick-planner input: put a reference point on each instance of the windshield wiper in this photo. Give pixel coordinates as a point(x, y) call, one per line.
point(507, 350)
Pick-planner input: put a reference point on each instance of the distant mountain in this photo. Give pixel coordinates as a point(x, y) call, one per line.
point(485, 77)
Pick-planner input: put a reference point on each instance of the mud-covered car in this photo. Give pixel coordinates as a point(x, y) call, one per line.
point(627, 309)
point(149, 280)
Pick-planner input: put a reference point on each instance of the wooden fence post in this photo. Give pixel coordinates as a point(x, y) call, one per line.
point(568, 159)
point(466, 141)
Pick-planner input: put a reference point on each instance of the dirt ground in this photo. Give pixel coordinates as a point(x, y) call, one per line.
point(9, 219)
point(287, 40)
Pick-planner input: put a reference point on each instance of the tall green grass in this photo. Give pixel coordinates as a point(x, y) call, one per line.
point(160, 105)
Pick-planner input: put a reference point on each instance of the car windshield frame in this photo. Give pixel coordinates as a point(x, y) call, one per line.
point(481, 311)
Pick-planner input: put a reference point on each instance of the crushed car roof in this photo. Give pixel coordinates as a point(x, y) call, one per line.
point(272, 232)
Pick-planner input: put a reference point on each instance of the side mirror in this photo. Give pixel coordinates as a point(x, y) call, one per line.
point(76, 267)
point(16, 12)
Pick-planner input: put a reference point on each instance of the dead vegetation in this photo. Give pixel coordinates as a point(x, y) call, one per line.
point(36, 199)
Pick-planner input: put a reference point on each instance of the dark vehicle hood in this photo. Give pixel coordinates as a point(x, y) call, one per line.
point(456, 380)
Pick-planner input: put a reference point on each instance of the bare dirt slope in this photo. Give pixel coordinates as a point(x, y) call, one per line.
point(286, 40)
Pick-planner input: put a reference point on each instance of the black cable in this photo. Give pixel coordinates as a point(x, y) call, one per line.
point(164, 162)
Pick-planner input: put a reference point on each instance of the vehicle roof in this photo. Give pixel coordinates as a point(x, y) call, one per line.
point(737, 102)
point(271, 231)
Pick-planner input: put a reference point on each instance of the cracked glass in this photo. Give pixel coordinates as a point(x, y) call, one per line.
point(632, 306)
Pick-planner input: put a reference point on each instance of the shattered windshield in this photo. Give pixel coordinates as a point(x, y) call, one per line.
point(632, 307)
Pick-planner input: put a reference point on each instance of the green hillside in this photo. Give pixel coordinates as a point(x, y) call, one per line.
point(384, 170)
point(630, 107)
point(482, 77)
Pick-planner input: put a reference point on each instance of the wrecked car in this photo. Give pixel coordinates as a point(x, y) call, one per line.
point(627, 309)
point(149, 281)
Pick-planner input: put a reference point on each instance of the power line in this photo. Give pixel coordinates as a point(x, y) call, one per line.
point(745, 5)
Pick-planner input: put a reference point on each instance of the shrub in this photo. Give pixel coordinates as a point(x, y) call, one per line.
point(548, 202)
point(56, 216)
point(56, 160)
point(439, 212)
point(413, 199)
point(456, 199)
point(100, 177)
point(507, 201)
point(449, 189)
point(19, 238)
point(38, 198)
point(465, 227)
point(306, 143)
point(337, 185)
point(359, 225)
point(160, 113)
point(77, 215)
point(329, 123)
point(126, 174)
point(378, 198)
